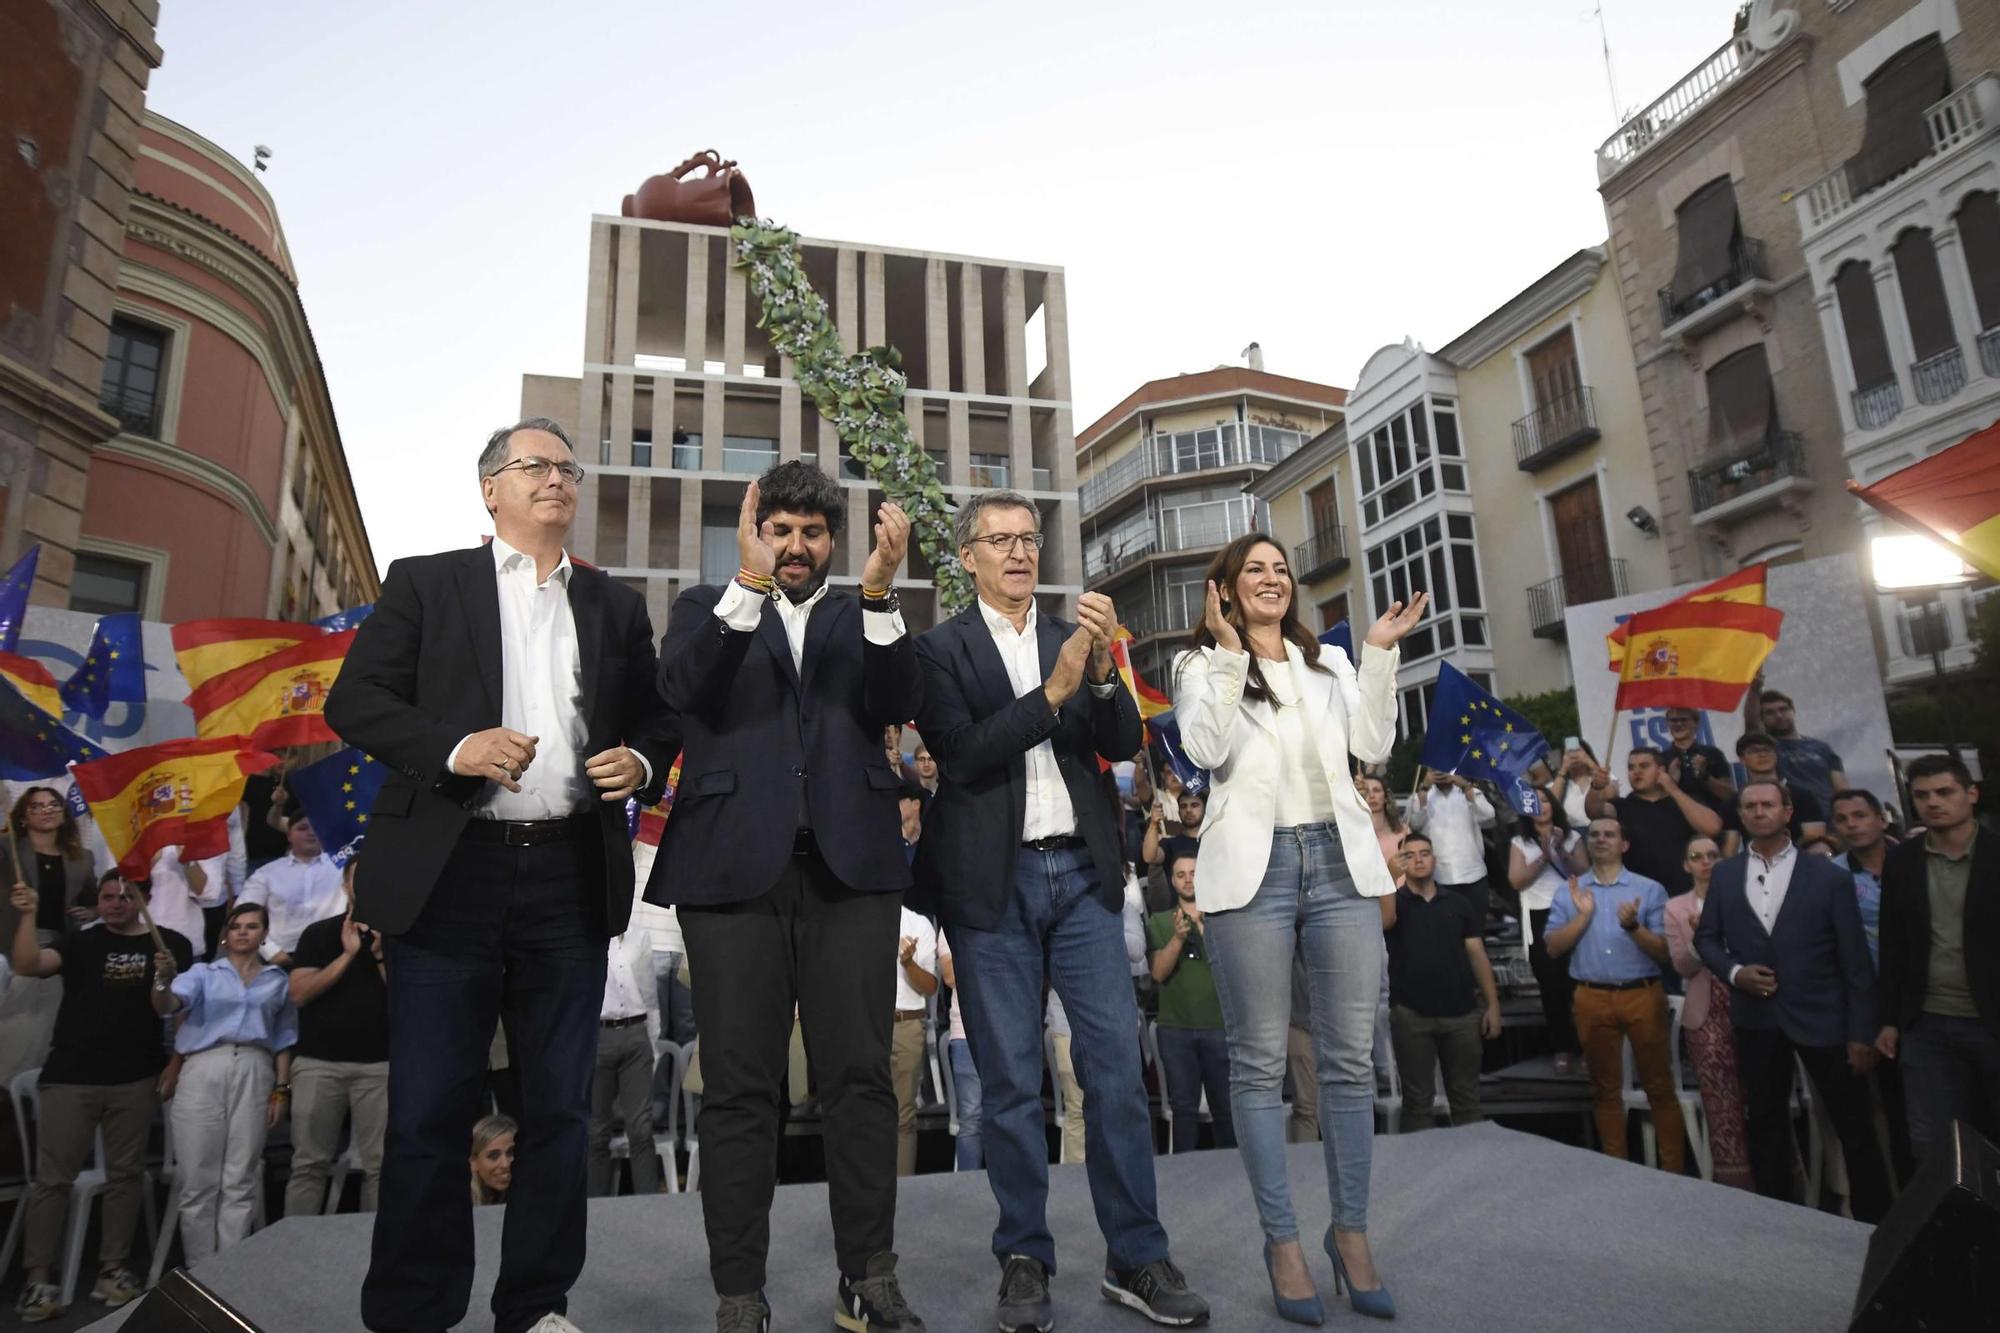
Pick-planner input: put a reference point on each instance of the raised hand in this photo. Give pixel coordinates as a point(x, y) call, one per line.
point(1581, 898)
point(1389, 629)
point(350, 935)
point(1226, 637)
point(907, 950)
point(1066, 678)
point(1095, 613)
point(892, 539)
point(24, 899)
point(752, 551)
point(1628, 914)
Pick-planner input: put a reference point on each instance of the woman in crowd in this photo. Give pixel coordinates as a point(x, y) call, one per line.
point(1705, 1022)
point(1289, 864)
point(1571, 783)
point(1389, 827)
point(493, 1159)
point(235, 1044)
point(1540, 860)
point(54, 862)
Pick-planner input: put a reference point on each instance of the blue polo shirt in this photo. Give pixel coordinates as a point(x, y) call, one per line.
point(1868, 896)
point(1606, 952)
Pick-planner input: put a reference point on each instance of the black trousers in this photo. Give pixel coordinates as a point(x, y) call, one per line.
point(518, 934)
point(831, 951)
point(1764, 1064)
point(1552, 978)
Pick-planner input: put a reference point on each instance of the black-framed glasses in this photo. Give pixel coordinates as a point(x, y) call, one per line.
point(537, 469)
point(1006, 543)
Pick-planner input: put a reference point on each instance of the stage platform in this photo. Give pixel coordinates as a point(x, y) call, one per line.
point(1476, 1228)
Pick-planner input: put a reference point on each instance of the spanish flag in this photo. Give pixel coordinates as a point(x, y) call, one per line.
point(1745, 586)
point(1695, 654)
point(276, 700)
point(1151, 702)
point(34, 682)
point(178, 794)
point(1954, 495)
point(206, 649)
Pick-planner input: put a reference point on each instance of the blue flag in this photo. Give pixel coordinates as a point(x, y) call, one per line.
point(345, 620)
point(34, 745)
point(14, 587)
point(113, 671)
point(1474, 735)
point(1341, 636)
point(337, 793)
point(1168, 728)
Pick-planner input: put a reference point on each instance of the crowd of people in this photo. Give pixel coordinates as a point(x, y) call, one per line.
point(880, 838)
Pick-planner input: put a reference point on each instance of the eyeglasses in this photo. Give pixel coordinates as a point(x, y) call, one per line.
point(1006, 543)
point(45, 808)
point(537, 469)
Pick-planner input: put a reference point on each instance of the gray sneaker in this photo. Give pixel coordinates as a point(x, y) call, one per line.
point(743, 1314)
point(1024, 1296)
point(39, 1302)
point(1157, 1291)
point(875, 1301)
point(116, 1287)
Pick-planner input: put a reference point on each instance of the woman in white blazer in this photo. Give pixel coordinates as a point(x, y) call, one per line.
point(1289, 863)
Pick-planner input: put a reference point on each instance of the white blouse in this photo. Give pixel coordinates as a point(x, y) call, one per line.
point(1303, 796)
point(1541, 892)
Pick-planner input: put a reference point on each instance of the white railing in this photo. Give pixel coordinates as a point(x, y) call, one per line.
point(1638, 132)
point(1968, 112)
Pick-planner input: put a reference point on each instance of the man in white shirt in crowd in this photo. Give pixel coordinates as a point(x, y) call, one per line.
point(1451, 811)
point(296, 890)
point(916, 982)
point(180, 891)
point(621, 1090)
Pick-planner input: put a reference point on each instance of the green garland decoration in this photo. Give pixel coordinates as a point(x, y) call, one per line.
point(861, 395)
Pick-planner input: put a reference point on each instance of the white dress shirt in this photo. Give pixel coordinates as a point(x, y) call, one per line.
point(1049, 812)
point(741, 609)
point(915, 927)
point(1452, 822)
point(1766, 882)
point(296, 893)
point(1303, 796)
point(629, 989)
point(173, 906)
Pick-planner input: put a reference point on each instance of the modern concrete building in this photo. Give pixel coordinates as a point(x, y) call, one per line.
point(682, 401)
point(1807, 240)
point(1161, 480)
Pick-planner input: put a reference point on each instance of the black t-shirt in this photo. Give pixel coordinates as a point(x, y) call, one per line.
point(1658, 833)
point(1428, 968)
point(1805, 810)
point(349, 1022)
point(1714, 764)
point(106, 1030)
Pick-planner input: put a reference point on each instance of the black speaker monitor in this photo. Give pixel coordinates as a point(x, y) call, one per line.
point(1934, 1262)
point(179, 1304)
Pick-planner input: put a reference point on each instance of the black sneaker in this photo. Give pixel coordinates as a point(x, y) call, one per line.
point(1157, 1291)
point(1024, 1296)
point(743, 1314)
point(875, 1301)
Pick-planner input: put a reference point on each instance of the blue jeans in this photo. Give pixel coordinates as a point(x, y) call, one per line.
point(966, 1092)
point(1947, 1064)
point(1196, 1060)
point(1058, 928)
point(1306, 904)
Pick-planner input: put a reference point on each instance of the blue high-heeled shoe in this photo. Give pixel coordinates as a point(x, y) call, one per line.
point(1376, 1304)
point(1296, 1309)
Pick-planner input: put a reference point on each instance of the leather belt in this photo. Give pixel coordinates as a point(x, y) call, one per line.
point(1052, 844)
point(621, 1022)
point(1635, 984)
point(910, 1015)
point(803, 843)
point(528, 832)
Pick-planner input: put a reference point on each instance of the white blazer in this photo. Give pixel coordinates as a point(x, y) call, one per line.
point(1236, 739)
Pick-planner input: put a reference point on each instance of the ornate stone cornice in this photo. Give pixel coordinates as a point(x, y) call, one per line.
point(203, 472)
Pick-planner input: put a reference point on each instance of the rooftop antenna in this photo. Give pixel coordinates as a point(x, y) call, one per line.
point(1610, 75)
point(263, 158)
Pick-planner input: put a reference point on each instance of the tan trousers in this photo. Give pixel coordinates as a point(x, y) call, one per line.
point(1072, 1100)
point(218, 1121)
point(72, 1114)
point(324, 1093)
point(1605, 1019)
point(906, 1073)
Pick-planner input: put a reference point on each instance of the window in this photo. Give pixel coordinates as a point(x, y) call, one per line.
point(1183, 597)
point(1979, 237)
point(1332, 611)
point(1210, 522)
point(1923, 294)
point(687, 450)
point(1861, 317)
point(990, 471)
point(642, 448)
point(1900, 90)
point(718, 543)
point(1396, 464)
point(1434, 556)
point(105, 585)
point(1323, 505)
point(133, 366)
point(1118, 546)
point(1740, 411)
point(1705, 266)
point(748, 453)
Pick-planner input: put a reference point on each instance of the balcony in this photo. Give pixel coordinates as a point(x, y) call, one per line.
point(1951, 124)
point(1198, 527)
point(1683, 314)
point(1324, 553)
point(1678, 103)
point(1212, 447)
point(1877, 405)
point(1989, 352)
point(1939, 378)
point(1556, 429)
point(1547, 599)
point(1749, 482)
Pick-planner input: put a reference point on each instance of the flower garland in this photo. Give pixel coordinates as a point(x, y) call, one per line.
point(861, 395)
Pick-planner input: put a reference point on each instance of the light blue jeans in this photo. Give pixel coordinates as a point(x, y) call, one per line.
point(965, 1085)
point(1307, 904)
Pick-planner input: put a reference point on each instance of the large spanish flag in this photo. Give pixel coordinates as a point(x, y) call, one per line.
point(1745, 586)
point(206, 649)
point(178, 794)
point(1695, 654)
point(1954, 495)
point(1151, 702)
point(34, 682)
point(276, 700)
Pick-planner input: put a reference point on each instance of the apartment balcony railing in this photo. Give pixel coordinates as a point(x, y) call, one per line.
point(1190, 528)
point(1679, 102)
point(1962, 116)
point(1781, 458)
point(1176, 613)
point(1227, 445)
point(1323, 553)
point(1592, 583)
point(1103, 559)
point(1746, 264)
point(1938, 378)
point(1989, 351)
point(1877, 405)
point(1556, 429)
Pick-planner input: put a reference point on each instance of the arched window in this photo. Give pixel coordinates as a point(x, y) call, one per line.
point(1979, 235)
point(1939, 371)
point(1877, 400)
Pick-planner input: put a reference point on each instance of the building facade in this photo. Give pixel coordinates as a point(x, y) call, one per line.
point(1309, 500)
point(1161, 482)
point(682, 400)
point(1808, 246)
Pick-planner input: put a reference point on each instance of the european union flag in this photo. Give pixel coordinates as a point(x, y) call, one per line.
point(14, 588)
point(34, 745)
point(345, 620)
point(337, 793)
point(1474, 735)
point(113, 671)
point(1341, 636)
point(1168, 728)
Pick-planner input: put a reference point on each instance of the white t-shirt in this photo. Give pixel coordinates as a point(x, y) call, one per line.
point(957, 1017)
point(1542, 890)
point(1303, 796)
point(915, 926)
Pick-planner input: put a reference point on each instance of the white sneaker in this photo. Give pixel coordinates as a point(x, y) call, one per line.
point(554, 1323)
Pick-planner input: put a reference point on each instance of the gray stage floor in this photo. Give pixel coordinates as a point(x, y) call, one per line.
point(1478, 1228)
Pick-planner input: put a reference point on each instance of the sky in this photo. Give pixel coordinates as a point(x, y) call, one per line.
point(1321, 177)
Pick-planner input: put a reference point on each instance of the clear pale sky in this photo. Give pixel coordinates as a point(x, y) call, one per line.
point(1321, 177)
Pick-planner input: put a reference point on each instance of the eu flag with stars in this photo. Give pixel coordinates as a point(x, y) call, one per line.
point(337, 793)
point(113, 671)
point(15, 585)
point(345, 620)
point(1474, 735)
point(33, 745)
point(1166, 728)
point(1341, 636)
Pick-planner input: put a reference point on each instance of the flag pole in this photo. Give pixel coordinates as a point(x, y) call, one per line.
point(159, 940)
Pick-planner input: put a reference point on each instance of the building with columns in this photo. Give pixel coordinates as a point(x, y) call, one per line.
point(1806, 232)
point(682, 400)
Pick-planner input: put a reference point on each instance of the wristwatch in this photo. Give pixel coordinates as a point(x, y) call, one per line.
point(888, 603)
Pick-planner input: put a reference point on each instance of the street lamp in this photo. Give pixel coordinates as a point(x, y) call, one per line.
point(1917, 570)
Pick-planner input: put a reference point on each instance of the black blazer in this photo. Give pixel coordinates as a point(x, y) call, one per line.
point(980, 734)
point(1826, 984)
point(1906, 931)
point(424, 673)
point(766, 748)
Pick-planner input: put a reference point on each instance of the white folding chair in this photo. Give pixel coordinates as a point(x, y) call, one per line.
point(337, 1185)
point(1055, 1081)
point(25, 1090)
point(932, 1055)
point(1818, 1131)
point(1693, 1114)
